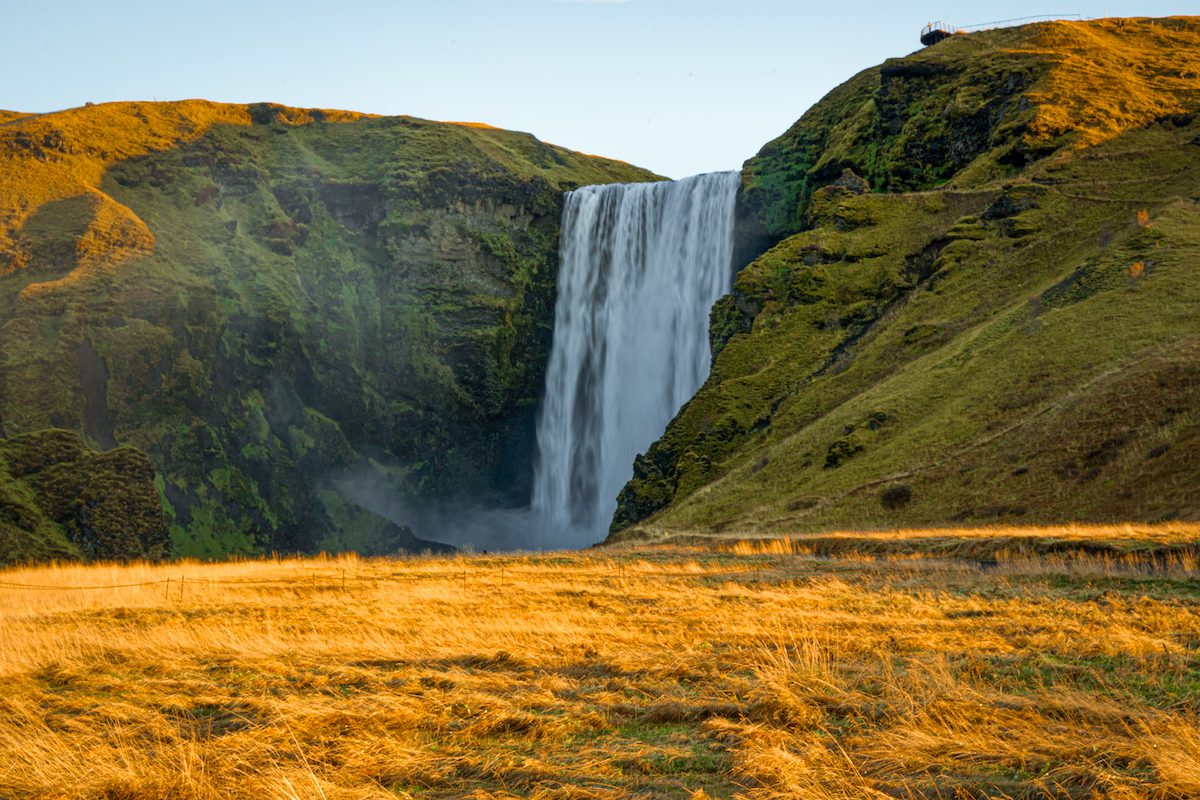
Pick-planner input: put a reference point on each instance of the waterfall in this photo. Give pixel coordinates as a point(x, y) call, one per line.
point(642, 264)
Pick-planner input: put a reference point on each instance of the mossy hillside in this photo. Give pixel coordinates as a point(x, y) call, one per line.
point(817, 294)
point(969, 110)
point(63, 156)
point(1026, 349)
point(60, 500)
point(320, 300)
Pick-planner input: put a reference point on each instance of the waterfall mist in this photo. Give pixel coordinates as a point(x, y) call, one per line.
point(642, 265)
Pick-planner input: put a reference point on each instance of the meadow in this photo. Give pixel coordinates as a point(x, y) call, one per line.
point(997, 663)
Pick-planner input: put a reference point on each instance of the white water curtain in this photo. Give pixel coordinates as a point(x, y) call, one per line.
point(642, 265)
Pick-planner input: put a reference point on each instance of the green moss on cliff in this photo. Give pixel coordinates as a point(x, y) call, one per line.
point(60, 500)
point(971, 109)
point(318, 294)
point(911, 123)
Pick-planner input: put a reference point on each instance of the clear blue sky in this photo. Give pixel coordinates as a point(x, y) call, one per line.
point(679, 86)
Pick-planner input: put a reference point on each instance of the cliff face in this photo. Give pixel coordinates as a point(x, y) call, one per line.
point(976, 300)
point(62, 500)
point(970, 110)
point(271, 301)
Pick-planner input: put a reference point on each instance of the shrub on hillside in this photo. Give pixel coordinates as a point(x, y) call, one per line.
point(895, 497)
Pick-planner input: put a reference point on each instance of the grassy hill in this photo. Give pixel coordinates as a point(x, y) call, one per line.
point(977, 305)
point(269, 300)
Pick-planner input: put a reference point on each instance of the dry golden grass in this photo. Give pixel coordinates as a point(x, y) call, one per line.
point(659, 672)
point(994, 542)
point(1111, 75)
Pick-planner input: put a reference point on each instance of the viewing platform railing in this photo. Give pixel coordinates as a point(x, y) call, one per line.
point(935, 32)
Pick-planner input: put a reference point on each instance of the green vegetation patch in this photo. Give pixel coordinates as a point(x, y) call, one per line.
point(62, 500)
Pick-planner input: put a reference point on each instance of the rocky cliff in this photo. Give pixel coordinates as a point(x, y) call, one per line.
point(61, 500)
point(970, 297)
point(279, 304)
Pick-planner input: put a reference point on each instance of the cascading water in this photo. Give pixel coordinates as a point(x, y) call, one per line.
point(642, 264)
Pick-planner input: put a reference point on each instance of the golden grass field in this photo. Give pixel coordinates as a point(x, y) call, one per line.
point(1064, 666)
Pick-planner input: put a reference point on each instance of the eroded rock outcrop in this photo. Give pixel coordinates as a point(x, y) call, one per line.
point(60, 499)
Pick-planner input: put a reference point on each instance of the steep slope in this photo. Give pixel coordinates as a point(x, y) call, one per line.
point(271, 302)
point(971, 109)
point(1005, 329)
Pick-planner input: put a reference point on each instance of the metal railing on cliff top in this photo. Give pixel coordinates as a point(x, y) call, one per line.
point(934, 32)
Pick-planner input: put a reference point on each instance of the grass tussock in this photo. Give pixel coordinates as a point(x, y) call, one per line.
point(738, 671)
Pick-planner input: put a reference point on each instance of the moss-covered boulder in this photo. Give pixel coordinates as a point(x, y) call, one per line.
point(60, 499)
point(273, 302)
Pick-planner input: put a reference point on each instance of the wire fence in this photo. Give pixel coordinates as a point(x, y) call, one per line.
point(1153, 565)
point(1000, 23)
point(343, 578)
point(936, 31)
